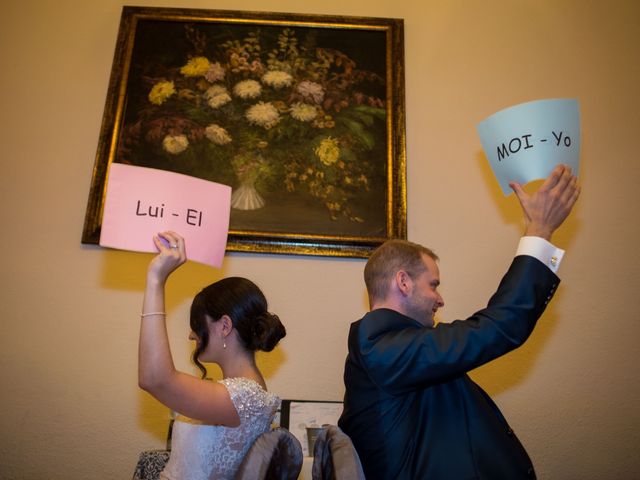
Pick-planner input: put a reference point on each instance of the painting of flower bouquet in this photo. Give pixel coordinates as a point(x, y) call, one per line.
point(303, 116)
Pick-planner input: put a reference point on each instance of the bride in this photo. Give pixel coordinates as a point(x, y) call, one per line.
point(218, 421)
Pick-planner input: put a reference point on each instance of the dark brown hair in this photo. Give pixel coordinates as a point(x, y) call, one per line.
point(246, 305)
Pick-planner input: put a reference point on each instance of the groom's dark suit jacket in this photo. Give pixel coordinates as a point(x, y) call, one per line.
point(410, 408)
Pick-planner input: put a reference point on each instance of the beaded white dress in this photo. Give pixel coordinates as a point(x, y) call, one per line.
point(207, 452)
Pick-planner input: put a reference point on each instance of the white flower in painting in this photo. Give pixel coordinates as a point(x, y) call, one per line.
point(247, 89)
point(219, 100)
point(175, 144)
point(303, 112)
point(214, 90)
point(217, 134)
point(216, 96)
point(311, 90)
point(277, 79)
point(263, 114)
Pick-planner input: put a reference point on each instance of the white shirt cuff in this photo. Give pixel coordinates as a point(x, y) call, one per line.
point(541, 249)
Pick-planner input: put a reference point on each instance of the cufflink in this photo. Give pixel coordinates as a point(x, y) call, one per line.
point(554, 260)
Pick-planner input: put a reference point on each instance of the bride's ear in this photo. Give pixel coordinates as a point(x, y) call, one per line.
point(226, 324)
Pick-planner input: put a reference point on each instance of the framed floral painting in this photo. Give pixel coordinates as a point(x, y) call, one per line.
point(302, 115)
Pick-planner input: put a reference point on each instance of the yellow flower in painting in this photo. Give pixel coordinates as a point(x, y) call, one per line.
point(196, 67)
point(160, 92)
point(328, 151)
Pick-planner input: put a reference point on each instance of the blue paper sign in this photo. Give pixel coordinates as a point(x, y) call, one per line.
point(526, 142)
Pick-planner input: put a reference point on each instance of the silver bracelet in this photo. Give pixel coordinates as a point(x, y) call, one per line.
point(142, 315)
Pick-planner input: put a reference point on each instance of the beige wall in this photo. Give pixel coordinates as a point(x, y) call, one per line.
point(70, 407)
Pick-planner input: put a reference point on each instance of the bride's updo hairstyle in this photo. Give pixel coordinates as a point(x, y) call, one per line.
point(246, 305)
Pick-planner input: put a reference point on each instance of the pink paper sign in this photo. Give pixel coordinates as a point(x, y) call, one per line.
point(140, 202)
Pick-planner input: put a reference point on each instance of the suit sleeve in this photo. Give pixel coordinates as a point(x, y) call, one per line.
point(399, 361)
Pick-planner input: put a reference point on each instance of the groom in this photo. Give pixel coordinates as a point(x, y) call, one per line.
point(410, 408)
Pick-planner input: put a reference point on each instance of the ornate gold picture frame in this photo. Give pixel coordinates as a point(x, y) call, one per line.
point(302, 115)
